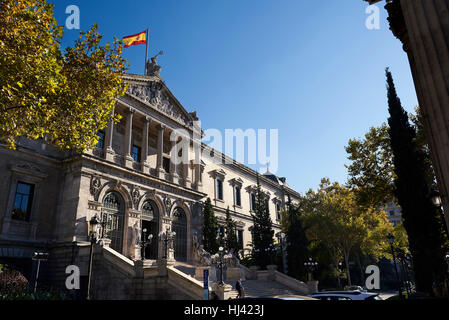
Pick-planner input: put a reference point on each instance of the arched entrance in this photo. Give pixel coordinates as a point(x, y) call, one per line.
point(180, 227)
point(113, 214)
point(150, 218)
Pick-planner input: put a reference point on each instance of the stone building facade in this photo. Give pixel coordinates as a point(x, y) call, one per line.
point(47, 197)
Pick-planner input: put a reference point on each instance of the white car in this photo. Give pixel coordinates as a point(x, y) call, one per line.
point(345, 295)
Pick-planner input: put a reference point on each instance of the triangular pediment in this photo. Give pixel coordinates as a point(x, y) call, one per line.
point(153, 93)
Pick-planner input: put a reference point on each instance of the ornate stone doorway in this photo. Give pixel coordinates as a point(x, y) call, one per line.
point(150, 218)
point(180, 227)
point(113, 214)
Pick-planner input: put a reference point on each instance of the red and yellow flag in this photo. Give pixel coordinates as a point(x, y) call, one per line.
point(140, 38)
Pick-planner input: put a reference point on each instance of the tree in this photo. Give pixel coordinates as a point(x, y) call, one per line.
point(341, 225)
point(262, 230)
point(43, 92)
point(231, 242)
point(371, 172)
point(420, 216)
point(210, 228)
point(297, 242)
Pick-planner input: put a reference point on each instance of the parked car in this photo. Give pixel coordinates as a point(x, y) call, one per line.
point(345, 295)
point(356, 288)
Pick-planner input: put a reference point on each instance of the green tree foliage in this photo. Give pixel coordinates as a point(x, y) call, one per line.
point(210, 228)
point(297, 242)
point(231, 242)
point(262, 230)
point(68, 97)
point(339, 224)
point(420, 216)
point(371, 172)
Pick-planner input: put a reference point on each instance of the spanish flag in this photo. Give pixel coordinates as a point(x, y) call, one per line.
point(140, 38)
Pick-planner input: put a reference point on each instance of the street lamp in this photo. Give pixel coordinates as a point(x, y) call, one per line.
point(435, 198)
point(93, 234)
point(220, 260)
point(281, 242)
point(38, 256)
point(167, 238)
point(145, 243)
point(310, 267)
point(391, 242)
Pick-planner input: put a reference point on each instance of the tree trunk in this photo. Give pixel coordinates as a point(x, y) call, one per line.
point(347, 269)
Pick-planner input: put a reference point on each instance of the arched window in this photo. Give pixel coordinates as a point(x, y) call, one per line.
point(113, 214)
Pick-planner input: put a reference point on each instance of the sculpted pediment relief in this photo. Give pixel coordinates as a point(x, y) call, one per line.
point(156, 95)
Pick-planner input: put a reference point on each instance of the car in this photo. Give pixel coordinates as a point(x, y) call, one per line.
point(356, 288)
point(345, 295)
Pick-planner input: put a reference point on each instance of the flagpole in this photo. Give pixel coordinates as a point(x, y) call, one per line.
point(146, 52)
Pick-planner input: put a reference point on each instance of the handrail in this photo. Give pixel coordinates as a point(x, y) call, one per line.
point(119, 260)
point(291, 282)
point(185, 283)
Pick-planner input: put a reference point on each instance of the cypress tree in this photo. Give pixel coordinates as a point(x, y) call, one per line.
point(210, 228)
point(420, 216)
point(262, 231)
point(231, 242)
point(297, 243)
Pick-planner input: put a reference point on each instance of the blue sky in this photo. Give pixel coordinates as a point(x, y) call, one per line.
point(309, 68)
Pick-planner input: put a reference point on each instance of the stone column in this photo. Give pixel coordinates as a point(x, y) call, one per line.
point(146, 127)
point(128, 138)
point(160, 150)
point(173, 166)
point(108, 151)
point(197, 165)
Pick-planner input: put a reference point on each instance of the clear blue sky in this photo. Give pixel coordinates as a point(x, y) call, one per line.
point(309, 68)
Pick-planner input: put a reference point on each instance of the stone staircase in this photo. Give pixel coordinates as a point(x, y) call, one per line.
point(262, 288)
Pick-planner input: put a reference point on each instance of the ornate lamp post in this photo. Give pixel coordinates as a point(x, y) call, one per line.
point(281, 241)
point(220, 260)
point(93, 235)
point(391, 242)
point(167, 238)
point(310, 267)
point(145, 243)
point(403, 260)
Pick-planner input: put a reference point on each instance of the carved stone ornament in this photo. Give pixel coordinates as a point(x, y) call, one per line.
point(95, 186)
point(167, 203)
point(116, 184)
point(135, 194)
point(154, 95)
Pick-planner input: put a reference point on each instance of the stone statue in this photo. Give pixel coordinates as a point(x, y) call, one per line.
point(136, 234)
point(153, 69)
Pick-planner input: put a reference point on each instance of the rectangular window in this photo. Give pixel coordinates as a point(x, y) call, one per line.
point(219, 189)
point(253, 201)
point(136, 153)
point(240, 238)
point(166, 164)
point(101, 136)
point(278, 211)
point(238, 198)
point(267, 206)
point(23, 201)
